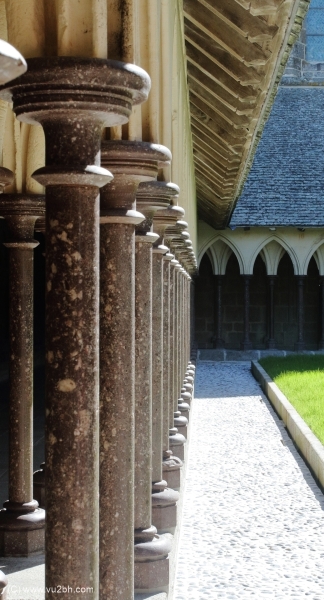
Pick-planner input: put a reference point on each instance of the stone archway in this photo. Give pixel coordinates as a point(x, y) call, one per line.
point(204, 304)
point(285, 305)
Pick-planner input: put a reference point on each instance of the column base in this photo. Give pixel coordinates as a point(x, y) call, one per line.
point(177, 442)
point(164, 507)
point(172, 471)
point(3, 586)
point(39, 486)
point(246, 345)
point(299, 346)
point(184, 408)
point(22, 534)
point(186, 397)
point(271, 344)
point(181, 423)
point(151, 568)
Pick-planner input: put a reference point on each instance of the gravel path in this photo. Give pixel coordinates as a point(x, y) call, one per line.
point(253, 520)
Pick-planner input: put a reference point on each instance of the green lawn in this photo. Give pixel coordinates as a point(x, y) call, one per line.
point(301, 379)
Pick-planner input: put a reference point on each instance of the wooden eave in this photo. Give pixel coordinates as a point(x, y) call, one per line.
point(236, 52)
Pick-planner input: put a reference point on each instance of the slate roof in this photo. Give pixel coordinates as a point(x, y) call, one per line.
point(285, 186)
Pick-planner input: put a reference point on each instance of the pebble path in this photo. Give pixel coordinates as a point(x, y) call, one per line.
point(253, 520)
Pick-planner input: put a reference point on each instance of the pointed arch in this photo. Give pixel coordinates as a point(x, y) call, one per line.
point(272, 255)
point(220, 257)
point(317, 250)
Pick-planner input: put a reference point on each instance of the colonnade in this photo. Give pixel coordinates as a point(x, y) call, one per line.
point(119, 380)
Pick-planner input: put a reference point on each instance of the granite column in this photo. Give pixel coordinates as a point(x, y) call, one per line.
point(22, 523)
point(100, 93)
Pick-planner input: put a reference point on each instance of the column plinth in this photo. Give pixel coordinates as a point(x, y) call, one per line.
point(73, 99)
point(22, 522)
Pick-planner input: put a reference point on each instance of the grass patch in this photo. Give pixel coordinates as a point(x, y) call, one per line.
point(301, 379)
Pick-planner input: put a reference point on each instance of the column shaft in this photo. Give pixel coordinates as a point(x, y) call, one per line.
point(143, 383)
point(72, 387)
point(218, 311)
point(117, 289)
point(271, 339)
point(246, 344)
point(157, 373)
point(300, 344)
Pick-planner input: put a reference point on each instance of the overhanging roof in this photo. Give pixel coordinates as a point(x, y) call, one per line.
point(236, 53)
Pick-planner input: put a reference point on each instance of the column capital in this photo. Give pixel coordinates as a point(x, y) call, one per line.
point(131, 163)
point(21, 212)
point(73, 99)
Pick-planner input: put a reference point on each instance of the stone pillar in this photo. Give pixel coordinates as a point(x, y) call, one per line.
point(126, 355)
point(271, 343)
point(12, 64)
point(321, 312)
point(164, 511)
point(246, 344)
point(100, 93)
point(299, 346)
point(218, 311)
point(22, 522)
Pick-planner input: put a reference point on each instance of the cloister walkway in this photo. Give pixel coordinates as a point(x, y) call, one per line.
point(253, 520)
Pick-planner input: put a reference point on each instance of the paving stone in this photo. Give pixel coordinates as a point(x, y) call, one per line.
point(253, 516)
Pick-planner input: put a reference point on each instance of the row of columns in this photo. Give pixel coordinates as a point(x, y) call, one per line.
point(246, 343)
point(112, 447)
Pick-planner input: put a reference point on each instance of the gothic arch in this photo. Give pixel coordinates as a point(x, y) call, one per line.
point(272, 255)
point(318, 252)
point(219, 263)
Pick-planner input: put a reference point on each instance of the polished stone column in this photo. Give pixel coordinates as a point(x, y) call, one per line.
point(321, 312)
point(246, 344)
point(22, 522)
point(98, 93)
point(271, 343)
point(299, 346)
point(218, 311)
point(125, 377)
point(164, 512)
point(12, 64)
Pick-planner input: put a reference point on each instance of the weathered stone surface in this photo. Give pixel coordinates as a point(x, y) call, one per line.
point(21, 520)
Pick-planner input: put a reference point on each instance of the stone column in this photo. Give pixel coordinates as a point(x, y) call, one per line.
point(12, 64)
point(151, 550)
point(218, 311)
point(127, 389)
point(246, 344)
point(299, 346)
point(164, 511)
point(321, 312)
point(22, 522)
point(271, 343)
point(98, 93)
